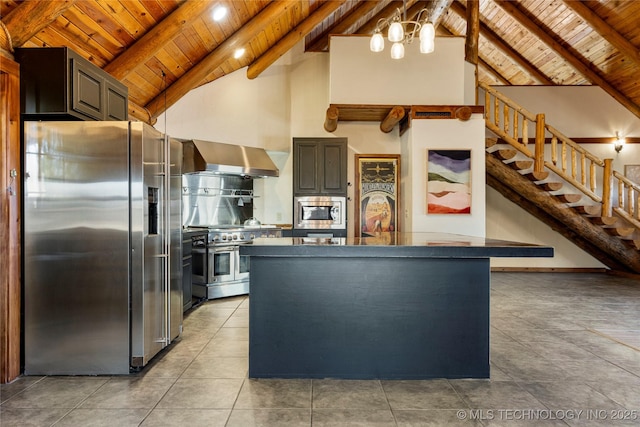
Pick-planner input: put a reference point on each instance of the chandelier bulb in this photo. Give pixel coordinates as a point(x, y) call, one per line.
point(427, 32)
point(396, 32)
point(397, 51)
point(376, 44)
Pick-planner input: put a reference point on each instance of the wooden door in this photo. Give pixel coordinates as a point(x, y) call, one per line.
point(10, 172)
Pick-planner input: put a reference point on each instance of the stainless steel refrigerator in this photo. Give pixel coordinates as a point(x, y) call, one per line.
point(102, 242)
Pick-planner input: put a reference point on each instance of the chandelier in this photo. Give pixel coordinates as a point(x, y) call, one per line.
point(401, 32)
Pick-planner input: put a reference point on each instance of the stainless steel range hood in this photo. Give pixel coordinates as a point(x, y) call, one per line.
point(226, 159)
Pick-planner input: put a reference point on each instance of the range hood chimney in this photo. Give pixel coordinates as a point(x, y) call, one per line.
point(226, 159)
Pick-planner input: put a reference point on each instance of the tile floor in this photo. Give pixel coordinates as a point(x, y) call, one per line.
point(565, 350)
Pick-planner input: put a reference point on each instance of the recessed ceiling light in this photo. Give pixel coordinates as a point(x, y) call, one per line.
point(219, 13)
point(238, 53)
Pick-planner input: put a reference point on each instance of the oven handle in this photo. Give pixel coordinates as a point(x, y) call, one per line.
point(224, 248)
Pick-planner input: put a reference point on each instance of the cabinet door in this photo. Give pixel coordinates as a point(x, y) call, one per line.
point(87, 88)
point(334, 165)
point(307, 157)
point(117, 105)
point(320, 166)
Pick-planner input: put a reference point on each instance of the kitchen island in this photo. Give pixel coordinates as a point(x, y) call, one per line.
point(390, 306)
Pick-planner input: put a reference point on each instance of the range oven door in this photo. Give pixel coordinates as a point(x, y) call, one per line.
point(199, 266)
point(242, 265)
point(222, 262)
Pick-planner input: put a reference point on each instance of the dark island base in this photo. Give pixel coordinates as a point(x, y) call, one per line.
point(365, 318)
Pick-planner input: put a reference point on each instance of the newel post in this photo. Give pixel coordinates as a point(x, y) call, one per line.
point(607, 176)
point(538, 160)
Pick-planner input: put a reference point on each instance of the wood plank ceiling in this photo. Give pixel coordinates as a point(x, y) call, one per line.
point(161, 49)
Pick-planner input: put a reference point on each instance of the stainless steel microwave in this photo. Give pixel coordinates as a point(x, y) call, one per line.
point(320, 212)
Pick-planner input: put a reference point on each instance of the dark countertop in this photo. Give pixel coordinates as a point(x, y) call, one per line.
point(390, 245)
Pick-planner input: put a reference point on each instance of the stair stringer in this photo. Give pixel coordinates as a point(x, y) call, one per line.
point(611, 250)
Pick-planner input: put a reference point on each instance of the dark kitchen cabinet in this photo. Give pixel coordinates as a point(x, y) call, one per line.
point(319, 166)
point(58, 84)
point(187, 273)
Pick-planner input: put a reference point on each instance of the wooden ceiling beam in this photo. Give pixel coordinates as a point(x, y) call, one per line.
point(385, 13)
point(321, 43)
point(294, 36)
point(28, 18)
point(196, 74)
point(544, 34)
point(155, 39)
point(473, 32)
point(438, 10)
point(605, 30)
point(498, 42)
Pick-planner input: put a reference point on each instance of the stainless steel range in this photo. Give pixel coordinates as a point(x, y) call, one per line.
point(218, 268)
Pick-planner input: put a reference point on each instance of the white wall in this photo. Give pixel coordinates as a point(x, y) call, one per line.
point(417, 79)
point(577, 111)
point(430, 134)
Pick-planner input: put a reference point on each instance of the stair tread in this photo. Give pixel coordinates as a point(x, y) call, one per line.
point(520, 164)
point(490, 142)
point(569, 197)
point(536, 176)
point(604, 220)
point(505, 153)
point(620, 231)
point(551, 186)
point(592, 210)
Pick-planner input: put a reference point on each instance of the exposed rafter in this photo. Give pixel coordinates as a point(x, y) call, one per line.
point(293, 37)
point(202, 69)
point(322, 42)
point(498, 42)
point(154, 40)
point(30, 17)
point(545, 35)
point(605, 30)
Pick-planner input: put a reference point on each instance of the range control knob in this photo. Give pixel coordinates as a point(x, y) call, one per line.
point(252, 236)
point(235, 237)
point(224, 237)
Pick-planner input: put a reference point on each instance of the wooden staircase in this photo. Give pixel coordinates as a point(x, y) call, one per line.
point(562, 184)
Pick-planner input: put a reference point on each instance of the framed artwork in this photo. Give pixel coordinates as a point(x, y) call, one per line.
point(377, 193)
point(449, 181)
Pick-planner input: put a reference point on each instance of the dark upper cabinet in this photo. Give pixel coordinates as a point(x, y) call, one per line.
point(320, 166)
point(57, 83)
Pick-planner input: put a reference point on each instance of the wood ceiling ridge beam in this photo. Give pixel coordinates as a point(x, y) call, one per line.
point(29, 17)
point(194, 76)
point(155, 39)
point(321, 43)
point(498, 42)
point(605, 30)
point(545, 36)
point(292, 38)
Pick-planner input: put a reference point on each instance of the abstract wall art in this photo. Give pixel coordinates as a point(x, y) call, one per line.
point(449, 181)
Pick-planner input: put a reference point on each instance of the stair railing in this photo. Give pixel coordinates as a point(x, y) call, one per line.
point(569, 160)
point(628, 199)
